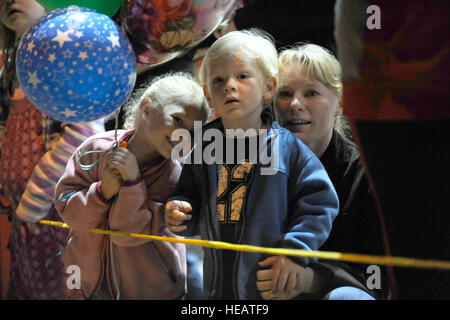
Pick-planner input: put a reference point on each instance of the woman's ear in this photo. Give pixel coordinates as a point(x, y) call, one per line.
point(339, 110)
point(271, 88)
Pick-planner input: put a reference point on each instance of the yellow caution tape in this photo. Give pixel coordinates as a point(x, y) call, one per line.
point(327, 255)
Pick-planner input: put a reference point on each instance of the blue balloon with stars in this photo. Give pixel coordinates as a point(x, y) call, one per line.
point(75, 65)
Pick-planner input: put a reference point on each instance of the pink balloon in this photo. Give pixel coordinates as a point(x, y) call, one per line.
point(161, 30)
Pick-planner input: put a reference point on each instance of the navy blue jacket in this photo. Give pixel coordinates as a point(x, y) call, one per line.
point(293, 208)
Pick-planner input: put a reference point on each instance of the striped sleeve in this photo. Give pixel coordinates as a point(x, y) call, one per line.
point(37, 198)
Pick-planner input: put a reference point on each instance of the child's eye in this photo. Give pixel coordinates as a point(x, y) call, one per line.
point(179, 121)
point(284, 94)
point(243, 76)
point(217, 80)
point(311, 93)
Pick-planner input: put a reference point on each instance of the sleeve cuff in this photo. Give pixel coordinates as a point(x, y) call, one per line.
point(100, 195)
point(132, 183)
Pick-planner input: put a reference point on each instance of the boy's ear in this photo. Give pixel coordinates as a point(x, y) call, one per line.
point(205, 92)
point(271, 88)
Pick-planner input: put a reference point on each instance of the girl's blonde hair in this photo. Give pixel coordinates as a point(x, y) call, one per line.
point(166, 89)
point(321, 65)
point(253, 44)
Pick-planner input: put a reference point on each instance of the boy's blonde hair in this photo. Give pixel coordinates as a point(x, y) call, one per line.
point(166, 89)
point(253, 44)
point(321, 65)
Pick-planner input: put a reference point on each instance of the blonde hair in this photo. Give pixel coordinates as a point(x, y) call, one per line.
point(166, 89)
point(253, 44)
point(321, 65)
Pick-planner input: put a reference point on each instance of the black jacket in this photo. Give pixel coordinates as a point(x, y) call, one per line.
point(357, 227)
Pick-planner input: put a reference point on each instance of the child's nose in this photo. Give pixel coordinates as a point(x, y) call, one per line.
point(230, 86)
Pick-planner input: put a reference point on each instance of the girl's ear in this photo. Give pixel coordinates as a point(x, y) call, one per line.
point(144, 109)
point(271, 88)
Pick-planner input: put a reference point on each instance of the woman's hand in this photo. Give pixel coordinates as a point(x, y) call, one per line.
point(284, 280)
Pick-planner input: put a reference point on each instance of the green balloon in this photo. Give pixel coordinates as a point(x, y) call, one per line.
point(107, 7)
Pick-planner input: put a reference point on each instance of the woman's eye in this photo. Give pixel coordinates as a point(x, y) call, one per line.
point(311, 93)
point(243, 76)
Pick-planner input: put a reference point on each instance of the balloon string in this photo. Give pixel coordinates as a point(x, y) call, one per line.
point(116, 143)
point(122, 144)
point(327, 255)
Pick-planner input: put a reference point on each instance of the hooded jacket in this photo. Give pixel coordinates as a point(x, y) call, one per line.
point(293, 207)
point(135, 268)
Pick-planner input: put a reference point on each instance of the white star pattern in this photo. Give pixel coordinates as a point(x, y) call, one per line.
point(131, 79)
point(51, 57)
point(30, 46)
point(88, 44)
point(114, 40)
point(62, 37)
point(33, 79)
point(83, 55)
point(45, 46)
point(69, 113)
point(67, 54)
point(67, 66)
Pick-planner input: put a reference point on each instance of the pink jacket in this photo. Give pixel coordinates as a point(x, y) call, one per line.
point(135, 268)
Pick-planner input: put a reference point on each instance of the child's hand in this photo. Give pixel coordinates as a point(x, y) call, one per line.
point(122, 160)
point(284, 280)
point(110, 183)
point(176, 214)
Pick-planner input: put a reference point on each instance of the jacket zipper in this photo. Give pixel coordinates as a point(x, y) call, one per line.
point(244, 210)
point(209, 229)
point(214, 255)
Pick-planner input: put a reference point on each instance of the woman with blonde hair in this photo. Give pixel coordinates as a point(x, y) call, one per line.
point(308, 103)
